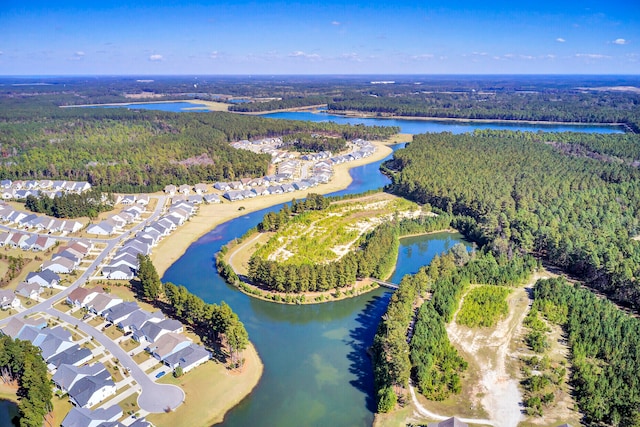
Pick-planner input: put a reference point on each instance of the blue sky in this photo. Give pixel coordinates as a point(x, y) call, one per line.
point(57, 37)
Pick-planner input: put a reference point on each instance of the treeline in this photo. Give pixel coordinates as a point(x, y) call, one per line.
point(280, 104)
point(578, 213)
point(22, 362)
point(605, 351)
point(429, 358)
point(70, 205)
point(563, 106)
point(212, 322)
point(130, 151)
point(273, 221)
point(307, 143)
point(376, 257)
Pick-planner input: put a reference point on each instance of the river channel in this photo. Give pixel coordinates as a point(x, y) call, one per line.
point(316, 369)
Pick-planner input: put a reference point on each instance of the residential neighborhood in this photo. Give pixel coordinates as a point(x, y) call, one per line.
point(101, 348)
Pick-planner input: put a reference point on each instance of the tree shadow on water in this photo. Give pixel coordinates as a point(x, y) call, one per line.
point(361, 338)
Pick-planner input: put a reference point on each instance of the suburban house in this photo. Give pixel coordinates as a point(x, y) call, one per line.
point(91, 390)
point(53, 341)
point(59, 265)
point(45, 278)
point(120, 272)
point(29, 290)
point(103, 302)
point(188, 358)
point(120, 312)
point(152, 331)
point(167, 345)
point(83, 417)
point(8, 299)
point(170, 189)
point(16, 326)
point(80, 297)
point(74, 355)
point(103, 228)
point(137, 319)
point(68, 375)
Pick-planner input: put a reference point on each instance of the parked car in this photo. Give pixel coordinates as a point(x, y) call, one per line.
point(160, 374)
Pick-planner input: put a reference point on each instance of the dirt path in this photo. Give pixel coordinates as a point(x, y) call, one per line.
point(241, 269)
point(490, 350)
point(424, 412)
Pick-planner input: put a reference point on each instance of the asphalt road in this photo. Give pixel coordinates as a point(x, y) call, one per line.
point(154, 397)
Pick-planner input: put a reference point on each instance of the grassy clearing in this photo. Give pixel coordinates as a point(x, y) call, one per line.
point(484, 306)
point(323, 236)
point(211, 390)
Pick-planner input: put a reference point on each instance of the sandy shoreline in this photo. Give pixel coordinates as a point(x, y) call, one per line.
point(209, 216)
point(212, 105)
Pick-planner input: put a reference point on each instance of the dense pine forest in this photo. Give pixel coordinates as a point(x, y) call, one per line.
point(529, 195)
point(569, 106)
point(605, 351)
point(128, 151)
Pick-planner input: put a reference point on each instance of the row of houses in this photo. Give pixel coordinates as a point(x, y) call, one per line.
point(117, 221)
point(186, 189)
point(163, 336)
point(45, 185)
point(26, 242)
point(132, 199)
point(41, 223)
point(68, 257)
point(86, 385)
point(31, 288)
point(302, 184)
point(124, 264)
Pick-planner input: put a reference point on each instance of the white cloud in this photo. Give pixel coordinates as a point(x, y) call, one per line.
point(351, 57)
point(560, 40)
point(336, 23)
point(301, 54)
point(156, 58)
point(592, 56)
point(620, 41)
point(422, 56)
point(214, 55)
point(77, 56)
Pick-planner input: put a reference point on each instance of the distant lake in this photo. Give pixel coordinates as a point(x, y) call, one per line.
point(172, 107)
point(455, 127)
point(406, 126)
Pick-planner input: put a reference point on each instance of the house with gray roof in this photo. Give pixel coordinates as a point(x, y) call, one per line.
point(45, 278)
point(74, 355)
point(152, 331)
point(60, 265)
point(121, 311)
point(8, 299)
point(91, 390)
point(138, 318)
point(17, 325)
point(211, 198)
point(67, 375)
point(103, 302)
point(83, 417)
point(103, 228)
point(29, 290)
point(53, 341)
point(167, 345)
point(188, 358)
